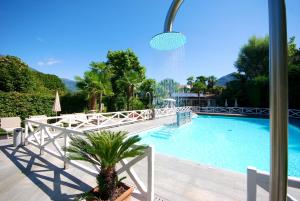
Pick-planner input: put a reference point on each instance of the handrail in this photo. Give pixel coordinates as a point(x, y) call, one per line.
point(293, 113)
point(52, 138)
point(261, 178)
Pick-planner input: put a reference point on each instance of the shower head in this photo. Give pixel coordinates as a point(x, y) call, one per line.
point(169, 40)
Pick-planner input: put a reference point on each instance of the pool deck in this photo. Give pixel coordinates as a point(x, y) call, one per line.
point(25, 175)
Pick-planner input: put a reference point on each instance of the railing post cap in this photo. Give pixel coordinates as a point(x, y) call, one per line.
point(251, 168)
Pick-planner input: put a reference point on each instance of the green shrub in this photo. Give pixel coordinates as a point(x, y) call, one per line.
point(71, 103)
point(136, 104)
point(24, 105)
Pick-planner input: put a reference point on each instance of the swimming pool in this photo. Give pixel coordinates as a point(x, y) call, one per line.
point(226, 142)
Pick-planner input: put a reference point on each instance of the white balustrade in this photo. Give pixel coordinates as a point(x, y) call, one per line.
point(261, 178)
point(293, 113)
point(51, 138)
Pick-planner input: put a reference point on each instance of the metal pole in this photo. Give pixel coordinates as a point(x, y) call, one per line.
point(278, 100)
point(168, 27)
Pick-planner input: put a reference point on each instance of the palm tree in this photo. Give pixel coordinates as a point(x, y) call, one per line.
point(105, 149)
point(88, 84)
point(104, 86)
point(130, 80)
point(190, 81)
point(96, 82)
point(211, 81)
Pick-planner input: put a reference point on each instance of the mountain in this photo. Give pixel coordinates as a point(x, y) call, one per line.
point(70, 84)
point(222, 81)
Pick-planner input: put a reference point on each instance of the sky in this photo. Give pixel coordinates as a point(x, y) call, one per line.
point(62, 37)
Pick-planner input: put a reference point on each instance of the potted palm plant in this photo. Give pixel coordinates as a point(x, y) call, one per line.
point(106, 149)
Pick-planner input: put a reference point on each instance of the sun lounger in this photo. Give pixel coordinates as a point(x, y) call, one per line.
point(8, 124)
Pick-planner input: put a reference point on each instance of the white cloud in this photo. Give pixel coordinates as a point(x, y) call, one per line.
point(48, 62)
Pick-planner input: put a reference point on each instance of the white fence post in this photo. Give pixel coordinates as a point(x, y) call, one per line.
point(66, 144)
point(251, 184)
point(150, 186)
point(42, 140)
point(25, 142)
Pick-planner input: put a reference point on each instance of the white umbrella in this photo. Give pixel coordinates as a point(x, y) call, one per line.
point(226, 105)
point(56, 106)
point(235, 103)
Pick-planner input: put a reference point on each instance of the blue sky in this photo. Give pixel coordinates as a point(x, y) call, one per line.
point(63, 36)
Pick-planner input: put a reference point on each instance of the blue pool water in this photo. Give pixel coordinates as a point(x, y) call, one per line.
point(226, 142)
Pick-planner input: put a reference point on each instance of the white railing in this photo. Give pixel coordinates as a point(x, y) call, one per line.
point(242, 110)
point(256, 177)
point(95, 121)
point(163, 112)
point(51, 138)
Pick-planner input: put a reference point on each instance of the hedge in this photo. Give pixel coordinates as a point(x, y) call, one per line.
point(71, 103)
point(24, 105)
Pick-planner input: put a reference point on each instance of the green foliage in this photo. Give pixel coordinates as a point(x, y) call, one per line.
point(128, 74)
point(136, 104)
point(294, 86)
point(47, 83)
point(170, 86)
point(190, 80)
point(211, 81)
point(147, 91)
point(199, 87)
point(24, 105)
point(251, 87)
point(15, 75)
point(253, 59)
point(105, 149)
point(96, 82)
point(71, 103)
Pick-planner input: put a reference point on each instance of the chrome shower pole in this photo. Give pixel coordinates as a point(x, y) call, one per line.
point(278, 100)
point(168, 27)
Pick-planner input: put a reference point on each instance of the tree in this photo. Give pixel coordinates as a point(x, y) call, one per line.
point(89, 85)
point(201, 79)
point(105, 149)
point(130, 81)
point(252, 84)
point(170, 86)
point(96, 82)
point(104, 78)
point(211, 81)
point(190, 81)
point(199, 87)
point(253, 59)
point(15, 75)
point(147, 89)
point(126, 68)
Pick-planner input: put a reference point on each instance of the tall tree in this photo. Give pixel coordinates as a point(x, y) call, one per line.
point(211, 81)
point(124, 65)
point(130, 81)
point(201, 79)
point(96, 82)
point(88, 85)
point(104, 80)
point(190, 81)
point(253, 58)
point(147, 89)
point(15, 75)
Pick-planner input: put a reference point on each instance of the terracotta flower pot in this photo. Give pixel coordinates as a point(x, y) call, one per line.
point(125, 196)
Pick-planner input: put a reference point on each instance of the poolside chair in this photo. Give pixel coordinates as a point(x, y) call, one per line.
point(8, 124)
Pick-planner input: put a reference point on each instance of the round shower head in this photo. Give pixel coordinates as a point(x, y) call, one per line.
point(168, 41)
